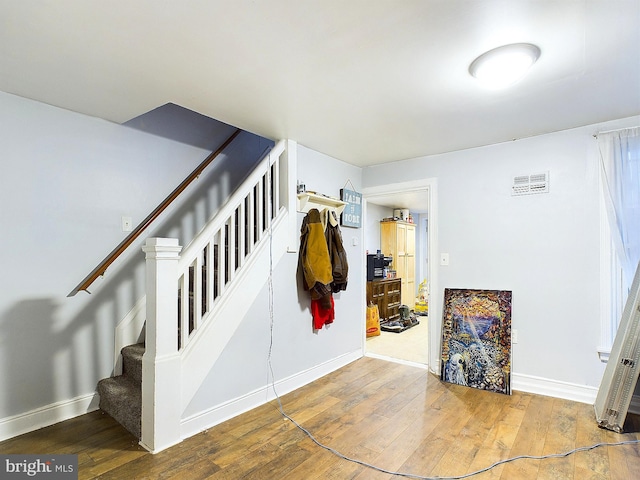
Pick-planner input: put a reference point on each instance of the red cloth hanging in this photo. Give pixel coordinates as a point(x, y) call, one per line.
point(322, 316)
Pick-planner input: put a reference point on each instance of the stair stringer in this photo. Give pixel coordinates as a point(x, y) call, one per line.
point(202, 352)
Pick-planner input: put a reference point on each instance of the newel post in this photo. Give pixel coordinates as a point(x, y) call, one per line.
point(161, 372)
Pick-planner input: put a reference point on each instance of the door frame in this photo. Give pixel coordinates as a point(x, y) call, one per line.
point(428, 187)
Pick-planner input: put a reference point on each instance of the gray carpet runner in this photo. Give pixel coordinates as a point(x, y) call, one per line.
point(121, 396)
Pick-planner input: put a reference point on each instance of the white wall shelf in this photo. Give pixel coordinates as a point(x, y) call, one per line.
point(308, 200)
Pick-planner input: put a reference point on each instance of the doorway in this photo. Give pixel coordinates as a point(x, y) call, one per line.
point(415, 345)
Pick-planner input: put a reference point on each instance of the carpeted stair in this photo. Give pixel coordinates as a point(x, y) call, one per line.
point(121, 396)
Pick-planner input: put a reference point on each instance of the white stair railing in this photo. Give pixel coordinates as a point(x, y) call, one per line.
point(209, 264)
point(202, 280)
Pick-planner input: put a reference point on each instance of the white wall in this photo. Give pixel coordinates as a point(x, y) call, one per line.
point(327, 175)
point(243, 366)
point(545, 248)
point(373, 215)
point(297, 347)
point(67, 179)
point(422, 257)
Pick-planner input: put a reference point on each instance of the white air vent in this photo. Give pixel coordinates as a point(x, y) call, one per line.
point(530, 184)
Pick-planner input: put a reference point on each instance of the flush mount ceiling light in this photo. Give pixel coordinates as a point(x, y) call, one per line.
point(504, 66)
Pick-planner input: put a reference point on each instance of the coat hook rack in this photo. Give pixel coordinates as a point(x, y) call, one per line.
point(309, 200)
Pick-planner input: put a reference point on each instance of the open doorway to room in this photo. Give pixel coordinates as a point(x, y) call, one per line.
point(388, 203)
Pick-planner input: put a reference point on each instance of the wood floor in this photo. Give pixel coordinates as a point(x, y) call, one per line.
point(398, 417)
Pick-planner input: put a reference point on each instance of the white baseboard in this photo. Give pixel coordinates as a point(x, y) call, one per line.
point(48, 415)
point(58, 412)
point(553, 388)
point(197, 423)
point(568, 391)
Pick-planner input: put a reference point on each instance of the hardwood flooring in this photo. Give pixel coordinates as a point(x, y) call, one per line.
point(398, 417)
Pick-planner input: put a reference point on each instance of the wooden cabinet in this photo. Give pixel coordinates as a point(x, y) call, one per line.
point(398, 240)
point(385, 293)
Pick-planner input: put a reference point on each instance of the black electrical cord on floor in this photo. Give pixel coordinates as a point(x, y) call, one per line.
point(379, 469)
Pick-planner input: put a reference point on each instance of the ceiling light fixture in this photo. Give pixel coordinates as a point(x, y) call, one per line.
point(504, 66)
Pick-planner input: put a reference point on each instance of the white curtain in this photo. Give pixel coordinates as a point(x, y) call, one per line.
point(620, 170)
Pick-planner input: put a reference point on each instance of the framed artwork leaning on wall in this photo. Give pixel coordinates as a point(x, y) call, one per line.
point(476, 339)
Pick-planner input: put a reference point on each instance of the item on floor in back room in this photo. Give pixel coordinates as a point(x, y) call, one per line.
point(407, 320)
point(422, 299)
point(373, 321)
point(395, 327)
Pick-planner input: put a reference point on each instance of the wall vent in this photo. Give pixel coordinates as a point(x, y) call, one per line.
point(530, 184)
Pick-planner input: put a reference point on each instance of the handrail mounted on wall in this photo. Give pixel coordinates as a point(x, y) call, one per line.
point(109, 259)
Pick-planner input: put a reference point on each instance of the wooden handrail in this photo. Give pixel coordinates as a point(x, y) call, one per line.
point(109, 259)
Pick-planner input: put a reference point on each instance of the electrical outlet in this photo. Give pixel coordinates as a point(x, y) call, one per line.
point(514, 335)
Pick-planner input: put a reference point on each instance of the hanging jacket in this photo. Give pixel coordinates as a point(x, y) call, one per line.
point(314, 260)
point(337, 254)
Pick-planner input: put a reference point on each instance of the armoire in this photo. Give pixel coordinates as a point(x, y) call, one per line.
point(398, 240)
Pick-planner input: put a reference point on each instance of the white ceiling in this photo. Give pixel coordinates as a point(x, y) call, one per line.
point(416, 201)
point(365, 81)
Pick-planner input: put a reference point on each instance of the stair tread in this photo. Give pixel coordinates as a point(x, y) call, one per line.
point(121, 397)
point(121, 383)
point(134, 351)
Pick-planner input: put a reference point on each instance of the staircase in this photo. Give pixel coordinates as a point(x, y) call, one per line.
point(195, 302)
point(121, 396)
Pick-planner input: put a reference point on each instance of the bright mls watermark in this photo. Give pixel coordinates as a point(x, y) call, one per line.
point(51, 467)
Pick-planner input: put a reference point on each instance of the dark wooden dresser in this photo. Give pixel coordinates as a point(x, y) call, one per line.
point(386, 293)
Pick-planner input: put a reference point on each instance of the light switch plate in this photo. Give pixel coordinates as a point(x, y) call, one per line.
point(444, 259)
point(127, 225)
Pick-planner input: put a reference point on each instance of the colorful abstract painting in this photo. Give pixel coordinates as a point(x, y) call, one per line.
point(476, 339)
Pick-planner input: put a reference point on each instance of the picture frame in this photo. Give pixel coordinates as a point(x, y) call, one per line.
point(351, 216)
point(476, 339)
